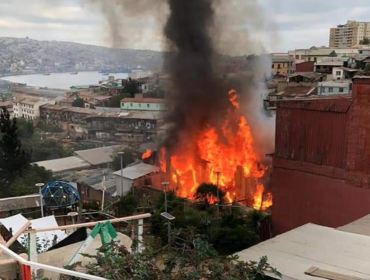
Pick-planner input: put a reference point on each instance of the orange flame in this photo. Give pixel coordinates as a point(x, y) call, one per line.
point(147, 154)
point(218, 153)
point(262, 200)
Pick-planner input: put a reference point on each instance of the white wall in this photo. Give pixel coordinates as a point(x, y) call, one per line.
point(338, 74)
point(126, 183)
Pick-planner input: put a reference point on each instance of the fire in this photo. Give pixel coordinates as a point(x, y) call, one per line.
point(262, 200)
point(147, 154)
point(217, 153)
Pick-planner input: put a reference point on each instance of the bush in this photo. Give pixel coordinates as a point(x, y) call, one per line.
point(48, 128)
point(230, 240)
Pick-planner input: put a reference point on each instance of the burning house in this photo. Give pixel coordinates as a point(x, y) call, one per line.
point(321, 165)
point(209, 129)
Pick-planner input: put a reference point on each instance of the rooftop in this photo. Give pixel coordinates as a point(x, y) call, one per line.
point(340, 84)
point(308, 75)
point(99, 155)
point(296, 251)
point(19, 202)
point(63, 164)
point(137, 171)
point(329, 63)
point(334, 103)
point(144, 100)
point(297, 91)
point(360, 226)
point(146, 115)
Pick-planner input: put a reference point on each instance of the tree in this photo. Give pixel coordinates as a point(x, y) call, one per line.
point(78, 102)
point(13, 159)
point(129, 156)
point(25, 185)
point(365, 41)
point(131, 87)
point(190, 257)
point(207, 193)
point(26, 128)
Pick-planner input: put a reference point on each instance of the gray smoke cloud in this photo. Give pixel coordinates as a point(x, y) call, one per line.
point(129, 21)
point(196, 32)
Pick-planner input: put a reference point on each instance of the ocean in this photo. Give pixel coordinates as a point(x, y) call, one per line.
point(65, 80)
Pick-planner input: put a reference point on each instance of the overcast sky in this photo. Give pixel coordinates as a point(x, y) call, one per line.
point(293, 23)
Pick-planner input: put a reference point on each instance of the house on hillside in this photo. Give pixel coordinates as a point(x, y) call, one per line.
point(139, 175)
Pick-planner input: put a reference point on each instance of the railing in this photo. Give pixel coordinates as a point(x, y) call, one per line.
point(33, 265)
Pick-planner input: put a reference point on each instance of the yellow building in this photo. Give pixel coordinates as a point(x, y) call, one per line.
point(349, 35)
point(281, 65)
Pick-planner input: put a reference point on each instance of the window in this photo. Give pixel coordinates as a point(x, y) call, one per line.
point(131, 104)
point(341, 89)
point(148, 105)
point(315, 59)
point(330, 89)
point(273, 66)
point(297, 57)
point(338, 73)
point(279, 66)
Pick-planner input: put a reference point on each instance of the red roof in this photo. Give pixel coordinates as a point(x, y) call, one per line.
point(339, 105)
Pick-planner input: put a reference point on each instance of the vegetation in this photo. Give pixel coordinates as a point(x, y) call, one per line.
point(230, 232)
point(35, 142)
point(41, 126)
point(365, 41)
point(189, 257)
point(129, 156)
point(130, 89)
point(17, 151)
point(78, 102)
point(25, 184)
point(13, 158)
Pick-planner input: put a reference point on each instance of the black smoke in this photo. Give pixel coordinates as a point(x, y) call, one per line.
point(198, 98)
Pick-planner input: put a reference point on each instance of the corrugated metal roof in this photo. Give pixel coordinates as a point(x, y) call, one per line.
point(19, 202)
point(298, 90)
point(294, 252)
point(137, 171)
point(340, 105)
point(63, 164)
point(99, 155)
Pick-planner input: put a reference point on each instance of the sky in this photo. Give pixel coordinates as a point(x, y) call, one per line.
point(290, 24)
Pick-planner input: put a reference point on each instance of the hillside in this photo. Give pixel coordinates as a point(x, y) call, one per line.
point(23, 55)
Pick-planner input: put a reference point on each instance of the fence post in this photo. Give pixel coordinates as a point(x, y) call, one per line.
point(32, 250)
point(140, 235)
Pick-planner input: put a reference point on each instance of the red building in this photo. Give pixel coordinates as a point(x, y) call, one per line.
point(321, 163)
point(308, 66)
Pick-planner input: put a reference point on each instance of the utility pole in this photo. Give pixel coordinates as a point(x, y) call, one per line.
point(40, 185)
point(165, 184)
point(121, 156)
point(218, 193)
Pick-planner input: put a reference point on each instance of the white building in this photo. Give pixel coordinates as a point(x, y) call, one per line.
point(137, 175)
point(334, 87)
point(29, 107)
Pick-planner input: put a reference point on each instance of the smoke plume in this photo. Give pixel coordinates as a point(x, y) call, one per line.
point(197, 36)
